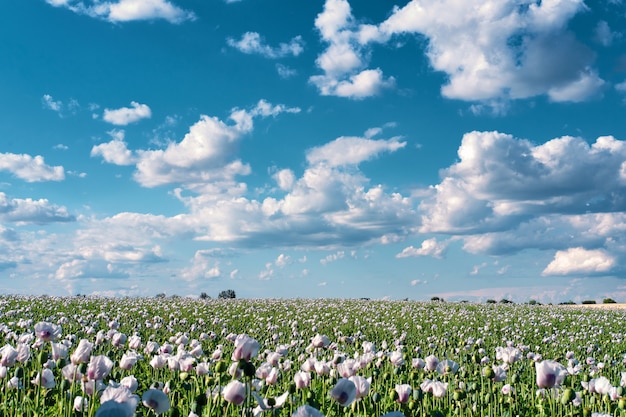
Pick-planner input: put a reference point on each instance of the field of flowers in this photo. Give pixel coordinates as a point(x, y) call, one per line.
point(83, 356)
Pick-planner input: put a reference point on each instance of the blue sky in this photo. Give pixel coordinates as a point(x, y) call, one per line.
point(465, 149)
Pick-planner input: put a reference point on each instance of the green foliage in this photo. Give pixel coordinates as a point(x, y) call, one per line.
point(608, 301)
point(227, 294)
point(589, 302)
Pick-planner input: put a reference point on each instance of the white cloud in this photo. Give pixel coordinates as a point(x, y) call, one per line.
point(603, 33)
point(500, 181)
point(494, 50)
point(253, 43)
point(333, 257)
point(127, 10)
point(285, 72)
point(205, 157)
point(127, 115)
point(580, 261)
point(285, 178)
point(344, 62)
point(351, 151)
point(30, 169)
point(429, 247)
point(282, 260)
point(203, 266)
point(22, 211)
point(50, 103)
point(115, 152)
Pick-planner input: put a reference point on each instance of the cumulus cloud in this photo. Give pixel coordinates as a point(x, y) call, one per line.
point(127, 115)
point(205, 156)
point(27, 210)
point(500, 181)
point(203, 266)
point(580, 261)
point(493, 50)
point(253, 43)
point(490, 51)
point(29, 168)
point(344, 62)
point(127, 10)
point(351, 150)
point(429, 247)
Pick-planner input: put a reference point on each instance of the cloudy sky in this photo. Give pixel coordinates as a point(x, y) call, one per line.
point(465, 149)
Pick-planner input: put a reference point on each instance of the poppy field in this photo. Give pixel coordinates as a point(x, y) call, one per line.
point(89, 356)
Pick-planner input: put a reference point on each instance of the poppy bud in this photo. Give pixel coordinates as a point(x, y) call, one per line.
point(567, 396)
point(249, 369)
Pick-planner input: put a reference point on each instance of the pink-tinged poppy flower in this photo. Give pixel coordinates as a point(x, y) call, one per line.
point(9, 356)
point(320, 341)
point(202, 368)
point(362, 385)
point(446, 367)
point(47, 332)
point(550, 374)
point(302, 379)
point(82, 353)
point(431, 363)
point(71, 373)
point(45, 379)
point(158, 361)
point(130, 382)
point(134, 342)
point(99, 367)
point(157, 400)
point(436, 388)
point(418, 363)
point(246, 348)
point(81, 404)
point(120, 394)
point(129, 359)
point(396, 358)
point(59, 351)
point(344, 392)
point(404, 392)
point(272, 376)
point(23, 352)
point(307, 411)
point(234, 392)
point(115, 409)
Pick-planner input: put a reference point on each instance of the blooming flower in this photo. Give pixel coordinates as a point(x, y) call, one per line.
point(550, 373)
point(82, 352)
point(404, 392)
point(446, 367)
point(81, 404)
point(47, 332)
point(362, 385)
point(45, 378)
point(59, 351)
point(320, 341)
point(9, 356)
point(234, 392)
point(437, 388)
point(130, 382)
point(344, 392)
point(302, 379)
point(431, 363)
point(128, 360)
point(246, 348)
point(115, 409)
point(157, 400)
point(307, 411)
point(99, 367)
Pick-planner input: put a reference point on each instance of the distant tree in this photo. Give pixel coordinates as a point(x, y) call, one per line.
point(435, 299)
point(175, 296)
point(534, 303)
point(204, 296)
point(227, 294)
point(608, 301)
point(491, 301)
point(567, 303)
point(589, 302)
point(505, 301)
point(160, 295)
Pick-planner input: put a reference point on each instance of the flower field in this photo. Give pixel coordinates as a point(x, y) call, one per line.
point(83, 356)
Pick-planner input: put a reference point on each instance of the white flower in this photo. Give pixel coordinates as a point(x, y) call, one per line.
point(157, 400)
point(344, 392)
